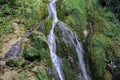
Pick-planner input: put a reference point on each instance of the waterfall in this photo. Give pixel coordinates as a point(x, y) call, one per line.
point(69, 38)
point(52, 42)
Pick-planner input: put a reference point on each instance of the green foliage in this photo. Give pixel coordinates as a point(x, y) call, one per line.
point(16, 62)
point(6, 28)
point(1, 56)
point(100, 40)
point(116, 49)
point(100, 54)
point(75, 10)
point(112, 5)
point(69, 72)
point(48, 26)
point(32, 12)
point(104, 22)
point(73, 13)
point(7, 7)
point(68, 55)
point(43, 9)
point(25, 13)
point(22, 76)
point(76, 14)
point(41, 75)
point(112, 31)
point(31, 55)
point(106, 33)
point(38, 50)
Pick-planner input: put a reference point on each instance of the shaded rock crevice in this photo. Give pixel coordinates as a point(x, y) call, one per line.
point(114, 68)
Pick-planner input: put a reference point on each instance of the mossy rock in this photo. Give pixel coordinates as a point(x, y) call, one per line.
point(42, 11)
point(37, 49)
point(41, 74)
point(48, 26)
point(100, 55)
point(68, 55)
point(16, 62)
point(116, 49)
point(69, 71)
point(32, 55)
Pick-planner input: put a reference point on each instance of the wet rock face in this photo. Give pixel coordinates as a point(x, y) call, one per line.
point(15, 50)
point(114, 68)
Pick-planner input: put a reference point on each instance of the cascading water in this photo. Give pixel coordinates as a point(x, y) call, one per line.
point(69, 38)
point(52, 42)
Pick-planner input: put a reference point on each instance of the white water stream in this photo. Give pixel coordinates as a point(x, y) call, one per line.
point(73, 39)
point(52, 42)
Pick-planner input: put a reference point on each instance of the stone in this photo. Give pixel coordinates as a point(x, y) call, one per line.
point(114, 68)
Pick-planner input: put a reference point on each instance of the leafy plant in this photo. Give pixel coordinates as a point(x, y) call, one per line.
point(113, 5)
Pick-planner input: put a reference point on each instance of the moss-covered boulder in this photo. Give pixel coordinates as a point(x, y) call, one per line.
point(99, 55)
point(114, 69)
point(37, 49)
point(41, 74)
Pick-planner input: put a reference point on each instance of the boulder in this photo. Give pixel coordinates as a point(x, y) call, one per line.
point(114, 68)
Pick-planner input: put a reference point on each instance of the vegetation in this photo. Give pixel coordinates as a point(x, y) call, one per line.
point(19, 16)
point(25, 13)
point(16, 62)
point(106, 30)
point(38, 49)
point(41, 75)
point(112, 5)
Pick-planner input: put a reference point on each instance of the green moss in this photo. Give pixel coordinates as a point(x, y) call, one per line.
point(99, 40)
point(73, 13)
point(100, 45)
point(7, 28)
point(16, 62)
point(35, 73)
point(103, 43)
point(61, 46)
point(107, 76)
point(116, 49)
point(43, 9)
point(0, 56)
point(32, 55)
point(103, 23)
point(21, 76)
point(68, 55)
point(48, 26)
point(69, 72)
point(41, 75)
point(38, 49)
point(24, 13)
point(40, 43)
